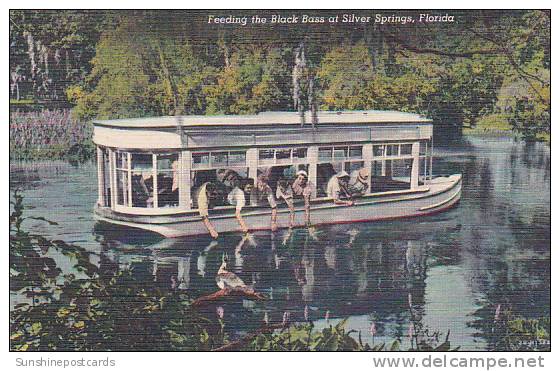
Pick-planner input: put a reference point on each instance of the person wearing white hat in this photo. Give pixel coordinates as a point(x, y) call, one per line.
point(337, 188)
point(359, 182)
point(237, 198)
point(302, 187)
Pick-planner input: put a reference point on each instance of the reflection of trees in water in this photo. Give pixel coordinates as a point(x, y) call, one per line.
point(507, 245)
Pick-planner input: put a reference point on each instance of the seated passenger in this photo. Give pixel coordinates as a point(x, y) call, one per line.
point(359, 182)
point(324, 173)
point(168, 191)
point(302, 187)
point(147, 177)
point(262, 191)
point(284, 192)
point(205, 193)
point(228, 177)
point(337, 188)
point(237, 198)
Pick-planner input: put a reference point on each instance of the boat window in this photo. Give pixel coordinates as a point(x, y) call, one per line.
point(392, 150)
point(237, 159)
point(340, 153)
point(299, 153)
point(325, 154)
point(423, 147)
point(142, 180)
point(168, 180)
point(356, 152)
point(350, 167)
point(122, 167)
point(122, 187)
point(406, 149)
point(142, 161)
point(147, 180)
point(200, 160)
point(215, 160)
point(282, 156)
point(219, 158)
point(378, 150)
point(390, 174)
point(106, 178)
point(122, 160)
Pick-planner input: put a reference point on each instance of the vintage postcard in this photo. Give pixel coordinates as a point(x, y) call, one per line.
point(280, 180)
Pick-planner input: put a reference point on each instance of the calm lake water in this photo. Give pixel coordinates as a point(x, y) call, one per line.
point(453, 268)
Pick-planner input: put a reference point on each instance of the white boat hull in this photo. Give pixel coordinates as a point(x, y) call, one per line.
point(443, 193)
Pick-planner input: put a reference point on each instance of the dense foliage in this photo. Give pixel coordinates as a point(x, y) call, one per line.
point(122, 64)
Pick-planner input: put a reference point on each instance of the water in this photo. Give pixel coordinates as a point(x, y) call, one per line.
point(450, 270)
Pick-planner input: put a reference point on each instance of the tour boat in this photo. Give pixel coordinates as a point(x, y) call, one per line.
point(150, 169)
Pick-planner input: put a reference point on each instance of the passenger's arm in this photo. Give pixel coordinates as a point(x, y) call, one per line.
point(307, 209)
point(273, 217)
point(209, 227)
point(241, 221)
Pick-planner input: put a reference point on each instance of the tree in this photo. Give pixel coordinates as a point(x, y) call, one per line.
point(51, 49)
point(137, 71)
point(254, 81)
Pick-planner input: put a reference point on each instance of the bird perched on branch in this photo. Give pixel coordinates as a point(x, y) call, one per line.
point(226, 279)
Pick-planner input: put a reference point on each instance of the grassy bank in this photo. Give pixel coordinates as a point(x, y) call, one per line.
point(49, 134)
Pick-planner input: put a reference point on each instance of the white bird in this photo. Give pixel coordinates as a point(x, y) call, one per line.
point(201, 261)
point(226, 279)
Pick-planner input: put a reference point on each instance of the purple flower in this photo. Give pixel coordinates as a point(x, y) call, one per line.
point(373, 329)
point(327, 315)
point(285, 318)
point(498, 312)
point(411, 330)
point(220, 312)
point(306, 313)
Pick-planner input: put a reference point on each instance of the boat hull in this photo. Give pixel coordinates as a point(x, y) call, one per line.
point(443, 193)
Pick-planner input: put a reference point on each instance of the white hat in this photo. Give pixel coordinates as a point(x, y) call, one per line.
point(302, 172)
point(342, 174)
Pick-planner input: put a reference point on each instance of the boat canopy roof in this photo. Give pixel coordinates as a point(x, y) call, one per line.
point(268, 119)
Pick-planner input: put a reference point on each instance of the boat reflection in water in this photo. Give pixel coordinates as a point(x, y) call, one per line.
point(339, 269)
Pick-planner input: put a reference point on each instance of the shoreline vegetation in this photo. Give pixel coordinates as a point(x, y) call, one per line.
point(84, 310)
point(50, 135)
point(490, 72)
